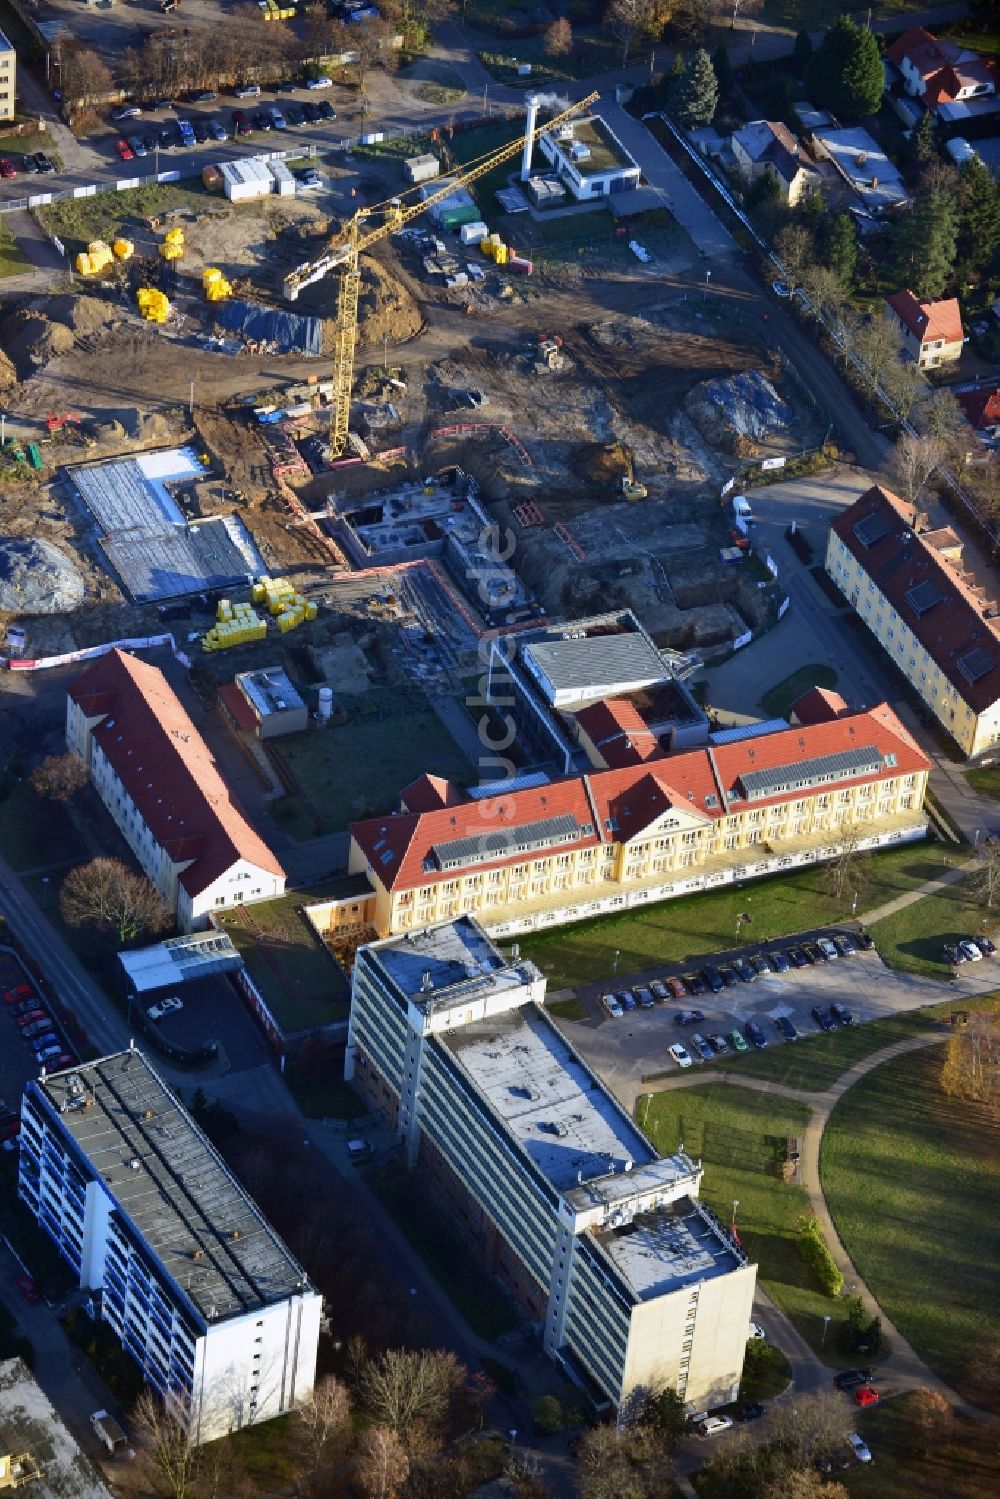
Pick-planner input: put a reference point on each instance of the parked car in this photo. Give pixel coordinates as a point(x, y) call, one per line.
point(612, 1006)
point(326, 110)
point(27, 1288)
point(846, 943)
point(827, 1463)
point(760, 962)
point(358, 1150)
point(688, 1017)
point(865, 941)
point(680, 1055)
point(866, 1394)
point(756, 1333)
point(321, 82)
point(811, 953)
point(986, 946)
point(794, 957)
point(241, 122)
point(694, 983)
point(718, 1043)
point(29, 165)
point(217, 131)
point(247, 91)
point(779, 962)
point(822, 1017)
point(19, 991)
point(659, 990)
point(36, 1028)
point(48, 1054)
point(311, 113)
point(29, 1016)
point(126, 112)
point(185, 133)
point(736, 1041)
point(207, 96)
point(63, 1060)
point(952, 954)
point(848, 1379)
point(644, 998)
point(7, 168)
point(150, 142)
point(786, 1029)
point(26, 1006)
point(970, 950)
point(167, 138)
point(277, 119)
point(626, 999)
point(702, 1047)
point(859, 1447)
point(124, 150)
point(138, 145)
point(744, 970)
point(44, 1040)
point(165, 1007)
point(10, 1128)
point(755, 1035)
point(827, 948)
point(842, 1015)
point(201, 132)
point(713, 978)
point(729, 978)
point(713, 1425)
point(294, 114)
point(262, 120)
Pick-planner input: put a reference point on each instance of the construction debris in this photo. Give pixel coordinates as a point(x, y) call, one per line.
point(37, 578)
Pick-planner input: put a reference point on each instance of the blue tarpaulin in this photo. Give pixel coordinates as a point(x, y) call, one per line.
point(291, 333)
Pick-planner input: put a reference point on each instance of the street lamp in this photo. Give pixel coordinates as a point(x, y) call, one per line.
point(826, 1324)
point(854, 904)
point(708, 277)
point(614, 966)
point(736, 1203)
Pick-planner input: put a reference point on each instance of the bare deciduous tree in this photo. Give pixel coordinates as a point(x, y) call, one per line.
point(971, 1066)
point(382, 1466)
point(84, 79)
point(877, 346)
point(59, 777)
point(814, 1425)
point(632, 20)
point(985, 881)
point(322, 1418)
point(913, 462)
point(794, 247)
point(848, 869)
point(930, 1413)
point(627, 1462)
point(403, 1386)
point(106, 894)
point(166, 1444)
point(804, 1483)
point(559, 38)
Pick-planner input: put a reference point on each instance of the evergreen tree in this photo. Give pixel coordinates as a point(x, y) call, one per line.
point(845, 72)
point(923, 244)
point(723, 68)
point(694, 97)
point(922, 142)
point(802, 52)
point(840, 248)
point(978, 217)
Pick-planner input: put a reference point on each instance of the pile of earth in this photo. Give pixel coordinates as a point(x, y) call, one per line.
point(386, 309)
point(37, 578)
point(30, 339)
point(738, 408)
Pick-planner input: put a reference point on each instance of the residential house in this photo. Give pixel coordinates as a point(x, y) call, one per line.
point(158, 779)
point(937, 625)
point(768, 147)
point(932, 331)
point(874, 181)
point(940, 72)
point(982, 407)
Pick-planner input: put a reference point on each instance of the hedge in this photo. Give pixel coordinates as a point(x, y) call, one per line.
point(814, 1252)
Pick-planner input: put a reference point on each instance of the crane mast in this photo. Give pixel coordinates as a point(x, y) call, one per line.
point(344, 253)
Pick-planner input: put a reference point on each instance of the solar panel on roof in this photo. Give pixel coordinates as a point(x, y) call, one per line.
point(871, 529)
point(924, 596)
point(976, 664)
point(842, 765)
point(499, 843)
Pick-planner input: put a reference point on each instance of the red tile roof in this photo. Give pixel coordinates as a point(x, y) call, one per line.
point(238, 708)
point(900, 560)
point(427, 793)
point(399, 850)
point(167, 769)
point(617, 728)
point(926, 53)
point(928, 321)
point(818, 705)
point(982, 407)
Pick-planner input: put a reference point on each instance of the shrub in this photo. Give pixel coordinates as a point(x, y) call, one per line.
point(546, 1415)
point(818, 1258)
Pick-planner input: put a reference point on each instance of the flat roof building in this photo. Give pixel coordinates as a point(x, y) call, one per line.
point(589, 158)
point(264, 703)
point(181, 1263)
point(598, 1238)
point(862, 164)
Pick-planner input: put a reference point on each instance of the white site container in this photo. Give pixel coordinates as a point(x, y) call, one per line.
point(473, 233)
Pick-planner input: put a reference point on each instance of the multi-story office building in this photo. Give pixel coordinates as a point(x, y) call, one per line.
point(159, 780)
point(8, 79)
point(938, 627)
point(179, 1261)
point(534, 855)
point(634, 1282)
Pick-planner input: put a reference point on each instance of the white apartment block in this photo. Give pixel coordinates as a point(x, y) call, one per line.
point(634, 1283)
point(8, 79)
point(179, 1261)
point(157, 777)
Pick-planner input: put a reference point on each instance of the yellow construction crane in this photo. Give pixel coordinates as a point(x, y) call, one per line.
point(347, 246)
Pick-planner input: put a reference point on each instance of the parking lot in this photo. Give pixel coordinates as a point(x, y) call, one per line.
point(21, 1031)
point(625, 1050)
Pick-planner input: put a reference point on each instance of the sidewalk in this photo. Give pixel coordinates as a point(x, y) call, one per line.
point(910, 897)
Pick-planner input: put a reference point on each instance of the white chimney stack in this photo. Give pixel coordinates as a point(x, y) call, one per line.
point(529, 131)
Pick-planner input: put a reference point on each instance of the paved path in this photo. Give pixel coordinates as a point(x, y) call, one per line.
point(903, 1367)
point(910, 897)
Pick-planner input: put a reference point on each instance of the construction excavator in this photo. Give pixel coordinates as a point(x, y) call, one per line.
point(363, 230)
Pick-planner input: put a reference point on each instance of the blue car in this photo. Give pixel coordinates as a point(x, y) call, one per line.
point(779, 962)
point(755, 1035)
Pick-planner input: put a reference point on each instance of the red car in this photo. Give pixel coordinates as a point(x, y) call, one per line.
point(9, 1128)
point(866, 1395)
point(22, 1020)
point(124, 150)
point(7, 168)
point(28, 1289)
point(22, 991)
point(64, 1060)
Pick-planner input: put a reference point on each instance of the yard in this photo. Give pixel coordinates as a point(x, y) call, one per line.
point(12, 258)
point(300, 982)
point(959, 1464)
point(777, 700)
point(912, 939)
point(985, 779)
point(357, 769)
point(741, 1135)
point(688, 928)
point(911, 1178)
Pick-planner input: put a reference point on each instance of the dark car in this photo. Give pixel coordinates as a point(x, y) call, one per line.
point(217, 131)
point(749, 1412)
point(760, 963)
point(842, 1015)
point(719, 1044)
point(866, 941)
point(779, 962)
point(846, 943)
point(262, 120)
point(952, 954)
point(795, 957)
point(809, 955)
point(755, 1035)
point(43, 163)
point(986, 946)
point(728, 976)
point(814, 951)
point(201, 131)
point(713, 978)
point(659, 991)
point(150, 142)
point(326, 110)
point(850, 1379)
point(207, 96)
point(241, 122)
point(311, 113)
point(785, 1028)
point(644, 998)
point(744, 970)
point(294, 114)
point(694, 983)
point(702, 1047)
point(688, 1017)
point(822, 1017)
point(626, 999)
point(168, 138)
point(28, 1007)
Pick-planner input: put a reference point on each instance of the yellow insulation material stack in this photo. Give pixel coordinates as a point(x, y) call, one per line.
point(173, 244)
point(95, 259)
point(288, 608)
point(215, 285)
point(237, 624)
point(153, 304)
point(124, 249)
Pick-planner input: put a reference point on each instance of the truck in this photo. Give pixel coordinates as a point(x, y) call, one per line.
point(108, 1430)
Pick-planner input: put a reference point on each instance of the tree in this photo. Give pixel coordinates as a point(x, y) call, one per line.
point(849, 868)
point(985, 882)
point(626, 1462)
point(913, 462)
point(922, 248)
point(794, 247)
point(106, 894)
point(59, 777)
point(878, 346)
point(382, 1466)
point(559, 38)
point(971, 1067)
point(978, 217)
point(635, 20)
point(812, 1424)
point(403, 1386)
point(923, 143)
point(322, 1418)
point(802, 52)
point(694, 97)
point(930, 1413)
point(839, 247)
point(166, 1444)
point(84, 79)
point(723, 68)
point(845, 72)
point(666, 1414)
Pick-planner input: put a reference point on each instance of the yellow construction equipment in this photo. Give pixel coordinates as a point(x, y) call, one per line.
point(356, 236)
point(631, 489)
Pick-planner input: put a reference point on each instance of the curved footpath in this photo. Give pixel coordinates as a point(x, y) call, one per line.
point(903, 1366)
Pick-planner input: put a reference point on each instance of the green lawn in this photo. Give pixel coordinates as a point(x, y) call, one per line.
point(778, 699)
point(12, 258)
point(959, 1464)
point(766, 1372)
point(685, 929)
point(912, 1178)
point(983, 41)
point(35, 830)
point(986, 780)
point(357, 769)
point(327, 1097)
point(741, 1135)
point(79, 220)
point(913, 938)
point(299, 980)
